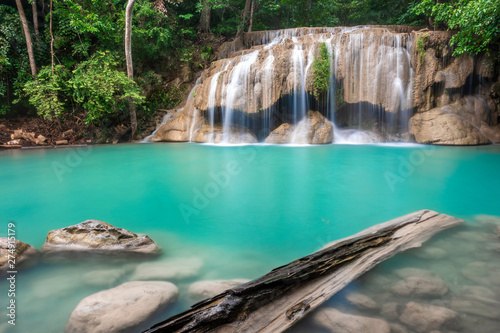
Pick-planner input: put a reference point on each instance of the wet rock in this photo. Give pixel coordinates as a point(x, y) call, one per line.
point(97, 237)
point(420, 287)
point(396, 328)
point(104, 277)
point(121, 309)
point(481, 307)
point(478, 292)
point(314, 128)
point(205, 289)
point(282, 134)
point(169, 269)
point(361, 301)
point(390, 311)
point(425, 318)
point(430, 253)
point(337, 322)
point(61, 142)
point(217, 135)
point(180, 126)
point(482, 273)
point(441, 127)
point(23, 253)
point(414, 272)
point(498, 231)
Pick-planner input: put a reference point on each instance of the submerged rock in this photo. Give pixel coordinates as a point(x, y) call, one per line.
point(121, 309)
point(337, 322)
point(22, 252)
point(420, 287)
point(205, 289)
point(170, 269)
point(97, 237)
point(361, 301)
point(314, 128)
point(282, 134)
point(481, 307)
point(390, 311)
point(425, 318)
point(483, 273)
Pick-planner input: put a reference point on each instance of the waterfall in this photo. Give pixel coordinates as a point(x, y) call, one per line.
point(265, 81)
point(238, 93)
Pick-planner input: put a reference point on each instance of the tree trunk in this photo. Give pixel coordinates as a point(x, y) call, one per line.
point(244, 17)
point(51, 40)
point(27, 35)
point(279, 299)
point(128, 59)
point(252, 10)
point(35, 22)
point(204, 26)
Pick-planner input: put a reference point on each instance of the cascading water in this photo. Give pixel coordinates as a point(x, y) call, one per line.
point(254, 92)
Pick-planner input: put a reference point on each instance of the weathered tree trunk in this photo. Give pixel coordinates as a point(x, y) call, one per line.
point(128, 59)
point(277, 300)
point(204, 26)
point(35, 22)
point(244, 17)
point(252, 11)
point(51, 40)
point(27, 36)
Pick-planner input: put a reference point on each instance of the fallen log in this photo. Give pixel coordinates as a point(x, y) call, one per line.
point(277, 300)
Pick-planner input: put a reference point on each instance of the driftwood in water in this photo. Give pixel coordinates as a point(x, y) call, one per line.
point(277, 300)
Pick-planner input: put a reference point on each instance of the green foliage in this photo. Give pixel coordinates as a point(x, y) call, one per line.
point(206, 52)
point(49, 93)
point(421, 47)
point(321, 72)
point(102, 89)
point(477, 21)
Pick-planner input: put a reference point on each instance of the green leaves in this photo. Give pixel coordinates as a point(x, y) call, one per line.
point(96, 86)
point(321, 72)
point(101, 88)
point(477, 22)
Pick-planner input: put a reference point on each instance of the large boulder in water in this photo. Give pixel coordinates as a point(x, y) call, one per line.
point(22, 252)
point(121, 309)
point(282, 134)
point(440, 127)
point(97, 237)
point(216, 134)
point(180, 126)
point(314, 128)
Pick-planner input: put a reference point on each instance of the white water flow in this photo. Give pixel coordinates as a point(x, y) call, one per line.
point(212, 97)
point(238, 92)
point(267, 92)
point(369, 97)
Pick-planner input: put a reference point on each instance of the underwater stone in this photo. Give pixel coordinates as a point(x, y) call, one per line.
point(338, 322)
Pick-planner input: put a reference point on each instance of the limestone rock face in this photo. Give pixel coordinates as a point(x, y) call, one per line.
point(441, 128)
point(205, 289)
point(282, 134)
point(181, 126)
point(97, 237)
point(338, 322)
point(425, 318)
point(22, 252)
point(121, 309)
point(235, 135)
point(313, 129)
